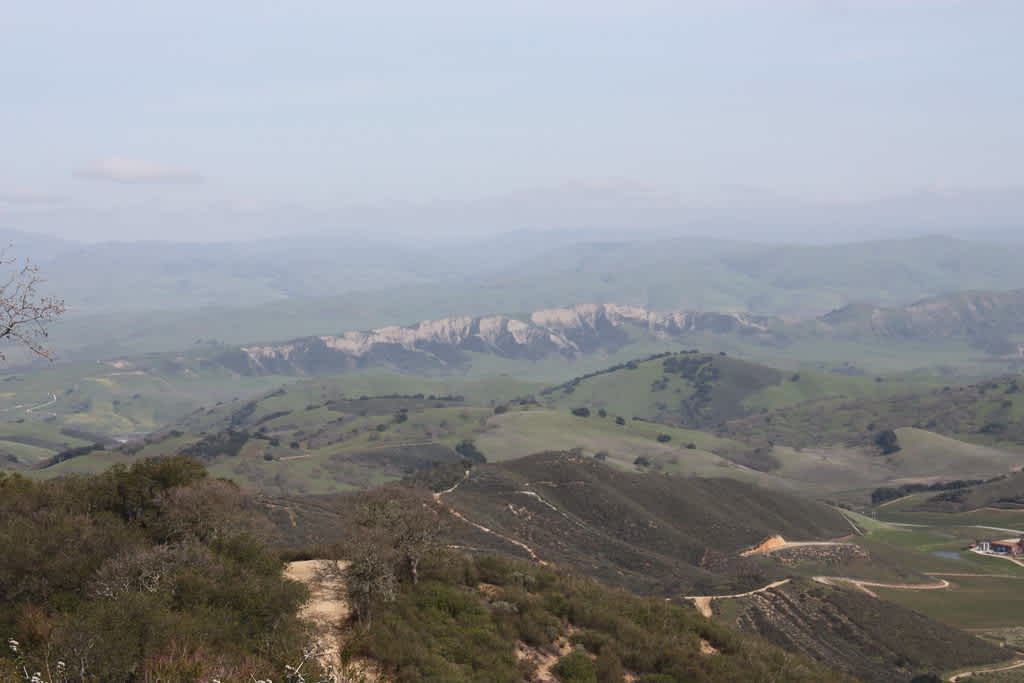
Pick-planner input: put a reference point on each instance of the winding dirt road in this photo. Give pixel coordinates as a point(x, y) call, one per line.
point(327, 611)
point(967, 674)
point(867, 585)
point(458, 515)
point(703, 602)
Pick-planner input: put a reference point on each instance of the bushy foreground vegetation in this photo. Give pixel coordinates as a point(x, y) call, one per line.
point(467, 618)
point(152, 572)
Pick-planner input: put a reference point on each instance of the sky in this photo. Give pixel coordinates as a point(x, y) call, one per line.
point(227, 119)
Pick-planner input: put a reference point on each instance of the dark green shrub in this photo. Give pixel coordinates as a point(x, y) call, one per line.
point(576, 667)
point(468, 450)
point(887, 442)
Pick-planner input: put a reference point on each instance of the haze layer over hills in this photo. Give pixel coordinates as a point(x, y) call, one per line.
point(141, 297)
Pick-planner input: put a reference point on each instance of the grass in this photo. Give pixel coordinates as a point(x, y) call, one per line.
point(127, 402)
point(975, 602)
point(899, 512)
point(522, 432)
point(706, 389)
point(987, 414)
point(994, 600)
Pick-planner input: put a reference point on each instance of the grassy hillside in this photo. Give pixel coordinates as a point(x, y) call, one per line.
point(649, 533)
point(1001, 497)
point(332, 434)
point(26, 445)
point(700, 390)
point(120, 397)
point(987, 413)
point(874, 640)
point(50, 412)
point(498, 620)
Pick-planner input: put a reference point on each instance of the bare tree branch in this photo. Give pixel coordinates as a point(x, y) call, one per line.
point(24, 314)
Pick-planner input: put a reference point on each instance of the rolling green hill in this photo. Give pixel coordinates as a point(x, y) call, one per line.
point(331, 434)
point(649, 533)
point(874, 640)
point(987, 413)
point(701, 390)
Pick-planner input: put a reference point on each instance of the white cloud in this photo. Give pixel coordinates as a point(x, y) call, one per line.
point(121, 170)
point(25, 195)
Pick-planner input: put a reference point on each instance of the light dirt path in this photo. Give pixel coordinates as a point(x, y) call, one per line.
point(991, 576)
point(776, 543)
point(1000, 557)
point(30, 408)
point(894, 500)
point(967, 674)
point(866, 586)
point(327, 611)
point(455, 513)
point(507, 539)
point(440, 494)
point(703, 602)
point(47, 404)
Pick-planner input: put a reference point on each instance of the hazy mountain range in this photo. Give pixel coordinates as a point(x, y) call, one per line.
point(986, 320)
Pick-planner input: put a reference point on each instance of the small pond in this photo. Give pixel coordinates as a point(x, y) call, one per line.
point(951, 554)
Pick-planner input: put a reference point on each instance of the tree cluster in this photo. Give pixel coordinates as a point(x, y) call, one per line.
point(386, 535)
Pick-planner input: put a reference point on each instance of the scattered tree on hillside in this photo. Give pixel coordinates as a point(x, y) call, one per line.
point(468, 450)
point(24, 314)
point(887, 442)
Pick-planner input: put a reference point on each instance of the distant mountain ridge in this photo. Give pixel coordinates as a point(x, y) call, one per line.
point(985, 319)
point(138, 297)
point(580, 329)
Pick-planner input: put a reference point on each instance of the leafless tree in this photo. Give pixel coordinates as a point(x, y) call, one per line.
point(24, 313)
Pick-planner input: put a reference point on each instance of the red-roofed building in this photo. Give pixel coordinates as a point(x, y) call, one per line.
point(1010, 546)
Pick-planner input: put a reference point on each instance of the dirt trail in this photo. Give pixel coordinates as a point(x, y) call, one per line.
point(1001, 557)
point(327, 611)
point(439, 494)
point(455, 513)
point(967, 674)
point(990, 576)
point(703, 602)
point(774, 543)
point(866, 586)
point(507, 539)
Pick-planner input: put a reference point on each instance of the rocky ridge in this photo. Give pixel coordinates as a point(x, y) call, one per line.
point(990, 321)
point(444, 343)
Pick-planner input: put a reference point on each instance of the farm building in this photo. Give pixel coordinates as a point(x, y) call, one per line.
point(1010, 546)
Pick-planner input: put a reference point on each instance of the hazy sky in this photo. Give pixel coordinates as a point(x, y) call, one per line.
point(215, 119)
